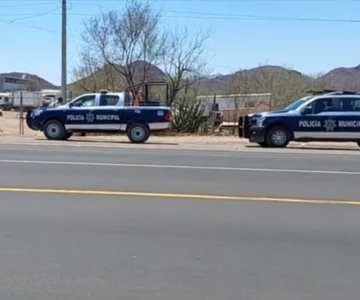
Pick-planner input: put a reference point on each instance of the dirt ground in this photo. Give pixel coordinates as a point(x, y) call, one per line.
point(9, 133)
point(10, 124)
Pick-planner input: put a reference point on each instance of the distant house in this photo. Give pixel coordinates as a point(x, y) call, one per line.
point(12, 84)
point(233, 106)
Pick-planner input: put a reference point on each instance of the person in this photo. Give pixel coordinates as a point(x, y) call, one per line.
point(138, 98)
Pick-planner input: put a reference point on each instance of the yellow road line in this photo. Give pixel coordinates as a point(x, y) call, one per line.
point(177, 196)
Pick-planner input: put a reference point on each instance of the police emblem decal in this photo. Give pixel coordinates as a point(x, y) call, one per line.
point(330, 125)
point(90, 117)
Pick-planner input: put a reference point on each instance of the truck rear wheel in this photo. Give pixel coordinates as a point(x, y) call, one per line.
point(55, 130)
point(138, 133)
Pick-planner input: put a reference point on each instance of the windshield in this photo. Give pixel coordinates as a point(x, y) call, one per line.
point(294, 105)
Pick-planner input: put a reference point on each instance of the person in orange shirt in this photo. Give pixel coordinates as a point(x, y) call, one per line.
point(138, 98)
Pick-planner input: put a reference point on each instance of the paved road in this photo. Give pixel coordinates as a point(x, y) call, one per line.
point(68, 246)
point(194, 172)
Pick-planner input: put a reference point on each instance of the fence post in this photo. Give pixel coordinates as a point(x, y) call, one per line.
point(212, 114)
point(21, 117)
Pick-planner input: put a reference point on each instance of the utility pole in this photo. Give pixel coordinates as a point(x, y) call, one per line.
point(63, 53)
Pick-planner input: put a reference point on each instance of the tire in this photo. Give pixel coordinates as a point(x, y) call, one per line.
point(263, 144)
point(358, 143)
point(138, 133)
point(278, 137)
point(55, 130)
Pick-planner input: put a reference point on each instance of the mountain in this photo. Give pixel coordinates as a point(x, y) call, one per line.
point(342, 78)
point(282, 82)
point(107, 78)
point(36, 82)
point(259, 79)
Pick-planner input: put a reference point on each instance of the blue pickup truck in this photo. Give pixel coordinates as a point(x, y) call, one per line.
point(135, 113)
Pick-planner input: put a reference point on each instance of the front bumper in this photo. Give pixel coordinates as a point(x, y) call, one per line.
point(31, 122)
point(257, 135)
point(244, 125)
point(249, 131)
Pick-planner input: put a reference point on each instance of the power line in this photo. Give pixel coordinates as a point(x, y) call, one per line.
point(30, 16)
point(28, 4)
point(30, 26)
point(218, 17)
point(204, 15)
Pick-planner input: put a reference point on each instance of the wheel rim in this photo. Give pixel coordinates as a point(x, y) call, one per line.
point(279, 138)
point(137, 133)
point(53, 130)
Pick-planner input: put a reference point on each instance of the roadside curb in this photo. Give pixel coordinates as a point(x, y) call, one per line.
point(165, 143)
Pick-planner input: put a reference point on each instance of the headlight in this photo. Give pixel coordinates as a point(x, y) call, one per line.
point(36, 113)
point(259, 121)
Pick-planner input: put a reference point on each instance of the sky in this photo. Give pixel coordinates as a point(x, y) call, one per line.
point(309, 36)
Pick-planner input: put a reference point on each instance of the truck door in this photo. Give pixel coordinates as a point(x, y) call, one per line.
point(93, 112)
point(80, 113)
point(108, 113)
point(348, 118)
point(318, 120)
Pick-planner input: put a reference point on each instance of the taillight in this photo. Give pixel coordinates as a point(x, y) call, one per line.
point(168, 116)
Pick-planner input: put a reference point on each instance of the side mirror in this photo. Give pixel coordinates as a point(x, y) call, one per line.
point(307, 111)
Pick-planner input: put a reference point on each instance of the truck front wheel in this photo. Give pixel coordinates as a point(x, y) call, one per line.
point(55, 130)
point(278, 137)
point(138, 133)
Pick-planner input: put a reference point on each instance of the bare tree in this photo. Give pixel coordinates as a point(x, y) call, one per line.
point(240, 83)
point(126, 38)
point(182, 59)
point(138, 49)
point(85, 73)
point(284, 84)
point(93, 74)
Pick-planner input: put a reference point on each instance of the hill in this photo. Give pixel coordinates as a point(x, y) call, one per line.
point(36, 82)
point(342, 78)
point(252, 80)
point(107, 78)
point(285, 84)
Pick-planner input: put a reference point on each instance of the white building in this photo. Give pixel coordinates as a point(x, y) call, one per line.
point(235, 104)
point(11, 84)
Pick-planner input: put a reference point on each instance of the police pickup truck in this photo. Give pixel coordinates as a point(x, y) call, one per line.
point(106, 112)
point(322, 116)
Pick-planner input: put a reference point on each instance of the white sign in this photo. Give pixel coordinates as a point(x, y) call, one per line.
point(75, 118)
point(91, 117)
point(309, 123)
point(107, 118)
point(351, 124)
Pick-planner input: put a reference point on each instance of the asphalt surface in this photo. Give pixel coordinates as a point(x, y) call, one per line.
point(305, 176)
point(70, 246)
